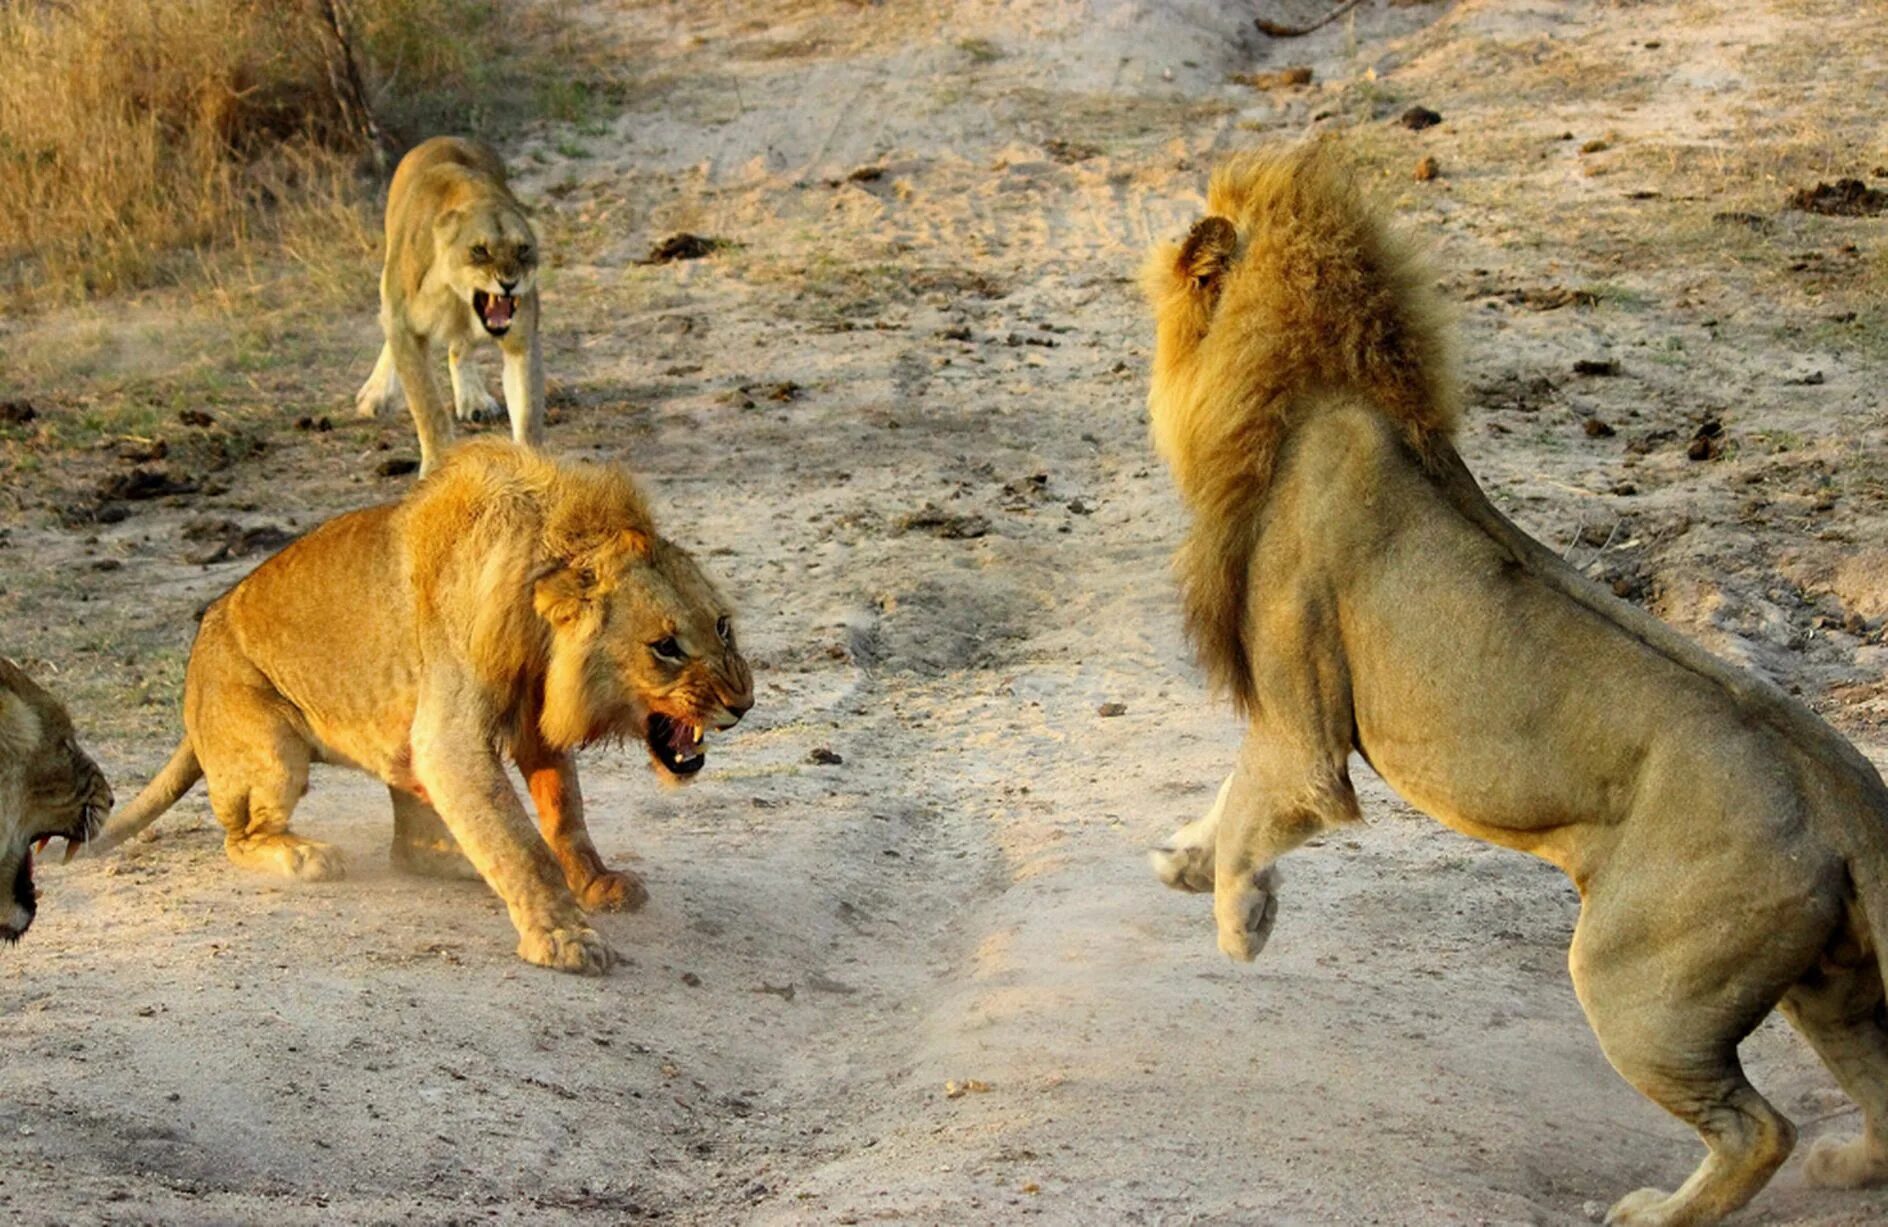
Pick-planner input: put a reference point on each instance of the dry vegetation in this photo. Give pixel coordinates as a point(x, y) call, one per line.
point(141, 139)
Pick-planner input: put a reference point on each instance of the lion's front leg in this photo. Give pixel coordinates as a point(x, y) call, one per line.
point(1185, 861)
point(467, 785)
point(524, 376)
point(552, 779)
point(1281, 795)
point(430, 420)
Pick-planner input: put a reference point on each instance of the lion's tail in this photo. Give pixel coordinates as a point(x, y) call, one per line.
point(179, 775)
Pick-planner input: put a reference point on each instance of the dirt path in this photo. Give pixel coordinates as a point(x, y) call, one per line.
point(900, 417)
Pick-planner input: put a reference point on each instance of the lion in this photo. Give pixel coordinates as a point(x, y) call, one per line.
point(461, 269)
point(1350, 586)
point(49, 788)
point(510, 607)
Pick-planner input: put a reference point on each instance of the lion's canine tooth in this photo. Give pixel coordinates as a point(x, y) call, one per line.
point(698, 734)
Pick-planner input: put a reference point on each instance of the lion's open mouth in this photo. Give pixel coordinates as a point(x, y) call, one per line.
point(680, 747)
point(494, 311)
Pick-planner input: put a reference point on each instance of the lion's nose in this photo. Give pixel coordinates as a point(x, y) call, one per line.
point(506, 287)
point(736, 709)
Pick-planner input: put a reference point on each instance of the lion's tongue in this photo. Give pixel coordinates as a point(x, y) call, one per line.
point(498, 310)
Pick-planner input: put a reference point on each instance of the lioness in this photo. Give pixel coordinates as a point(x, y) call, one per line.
point(461, 268)
point(48, 787)
point(1346, 580)
point(509, 607)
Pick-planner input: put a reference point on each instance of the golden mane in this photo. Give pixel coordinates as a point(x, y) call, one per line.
point(494, 522)
point(1290, 290)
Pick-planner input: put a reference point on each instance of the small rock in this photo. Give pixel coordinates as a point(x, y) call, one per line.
point(320, 425)
point(824, 757)
point(108, 564)
point(1597, 429)
point(17, 412)
point(1601, 367)
point(1707, 441)
point(1598, 144)
point(1427, 168)
point(691, 979)
point(144, 483)
point(1807, 380)
point(969, 1086)
point(864, 174)
point(195, 417)
point(1419, 117)
point(397, 466)
point(944, 524)
point(1112, 709)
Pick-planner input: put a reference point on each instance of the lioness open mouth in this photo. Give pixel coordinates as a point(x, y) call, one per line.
point(680, 747)
point(494, 311)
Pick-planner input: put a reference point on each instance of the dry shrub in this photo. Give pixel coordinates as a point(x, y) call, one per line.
point(135, 135)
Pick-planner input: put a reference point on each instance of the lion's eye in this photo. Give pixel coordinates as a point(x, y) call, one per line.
point(524, 253)
point(667, 649)
point(480, 253)
point(725, 629)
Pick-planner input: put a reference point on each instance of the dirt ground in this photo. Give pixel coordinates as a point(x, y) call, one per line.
point(900, 415)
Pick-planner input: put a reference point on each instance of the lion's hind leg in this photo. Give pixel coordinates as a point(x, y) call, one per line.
point(1669, 1008)
point(254, 807)
point(1839, 1009)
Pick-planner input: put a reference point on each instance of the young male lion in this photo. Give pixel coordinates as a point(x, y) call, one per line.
point(48, 787)
point(509, 607)
point(461, 268)
point(1347, 581)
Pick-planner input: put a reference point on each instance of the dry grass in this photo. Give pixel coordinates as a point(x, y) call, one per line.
point(137, 137)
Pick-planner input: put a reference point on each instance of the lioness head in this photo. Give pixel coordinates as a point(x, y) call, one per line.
point(490, 256)
point(642, 645)
point(48, 787)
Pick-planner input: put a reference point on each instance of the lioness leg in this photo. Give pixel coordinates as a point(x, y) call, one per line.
point(382, 388)
point(1840, 1011)
point(254, 801)
point(421, 843)
point(1670, 1023)
point(1185, 861)
point(470, 401)
point(552, 779)
point(453, 759)
point(410, 356)
point(524, 376)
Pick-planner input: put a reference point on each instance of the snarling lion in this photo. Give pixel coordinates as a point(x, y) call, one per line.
point(461, 269)
point(1348, 583)
point(49, 788)
point(509, 607)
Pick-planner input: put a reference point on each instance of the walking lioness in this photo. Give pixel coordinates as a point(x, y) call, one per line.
point(510, 608)
point(461, 269)
point(1349, 584)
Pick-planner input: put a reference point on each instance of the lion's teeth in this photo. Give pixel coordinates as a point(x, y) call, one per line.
point(698, 734)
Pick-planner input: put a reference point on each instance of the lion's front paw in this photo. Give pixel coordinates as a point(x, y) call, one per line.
point(579, 950)
point(613, 890)
point(1641, 1208)
point(478, 405)
point(1245, 919)
point(1182, 865)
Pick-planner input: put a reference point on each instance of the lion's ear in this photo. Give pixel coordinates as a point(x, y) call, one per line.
point(563, 593)
point(19, 723)
point(1208, 250)
point(447, 223)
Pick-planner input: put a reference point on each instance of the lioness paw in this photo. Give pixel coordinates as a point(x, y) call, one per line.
point(475, 404)
point(1845, 1163)
point(578, 950)
point(613, 890)
point(1183, 866)
point(1245, 921)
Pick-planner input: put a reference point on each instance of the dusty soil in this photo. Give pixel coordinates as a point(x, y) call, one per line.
point(899, 412)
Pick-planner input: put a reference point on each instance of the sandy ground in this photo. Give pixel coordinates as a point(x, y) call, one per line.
point(900, 416)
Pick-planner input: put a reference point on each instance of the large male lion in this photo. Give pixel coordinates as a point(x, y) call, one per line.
point(461, 268)
point(1349, 584)
point(48, 787)
point(509, 607)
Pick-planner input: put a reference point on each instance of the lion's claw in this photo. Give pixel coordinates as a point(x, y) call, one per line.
point(1245, 921)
